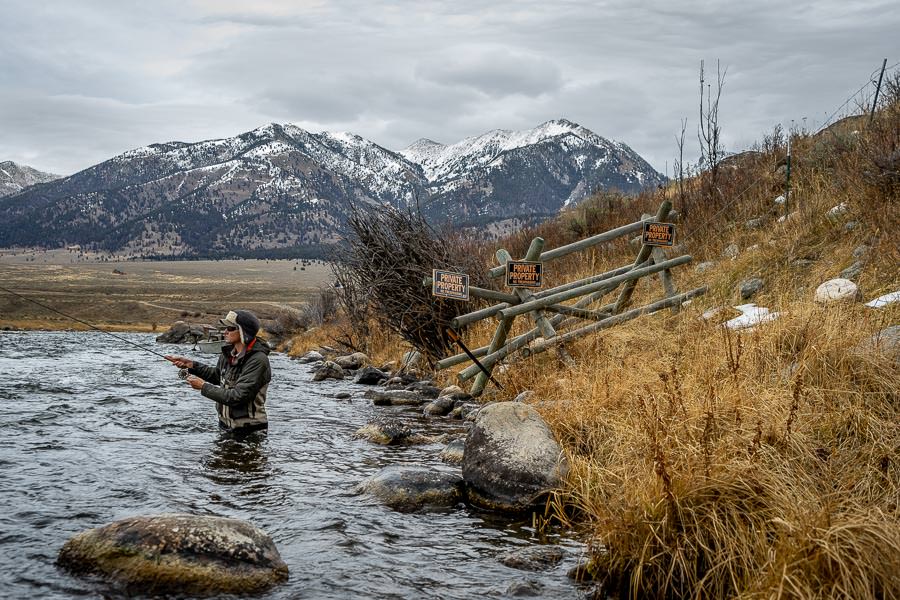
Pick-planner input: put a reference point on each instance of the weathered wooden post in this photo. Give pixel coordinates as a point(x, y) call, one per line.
point(499, 339)
point(643, 255)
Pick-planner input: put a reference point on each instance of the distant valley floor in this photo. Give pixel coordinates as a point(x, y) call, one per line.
point(143, 296)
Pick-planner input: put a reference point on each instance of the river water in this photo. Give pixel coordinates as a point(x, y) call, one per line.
point(95, 430)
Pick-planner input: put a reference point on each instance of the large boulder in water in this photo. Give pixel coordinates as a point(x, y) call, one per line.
point(409, 488)
point(511, 458)
point(177, 554)
point(351, 362)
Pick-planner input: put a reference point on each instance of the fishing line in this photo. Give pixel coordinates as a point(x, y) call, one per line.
point(82, 322)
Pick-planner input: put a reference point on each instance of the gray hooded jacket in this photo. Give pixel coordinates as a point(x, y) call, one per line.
point(239, 389)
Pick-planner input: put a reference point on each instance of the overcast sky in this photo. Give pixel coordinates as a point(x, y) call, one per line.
point(83, 80)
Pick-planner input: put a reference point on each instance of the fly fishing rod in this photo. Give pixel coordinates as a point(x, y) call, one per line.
point(182, 374)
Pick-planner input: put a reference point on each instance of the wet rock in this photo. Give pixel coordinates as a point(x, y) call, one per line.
point(384, 431)
point(731, 251)
point(399, 381)
point(853, 271)
point(750, 287)
point(837, 290)
point(704, 267)
point(409, 488)
point(524, 396)
point(180, 333)
point(388, 367)
point(425, 388)
point(395, 398)
point(511, 458)
point(177, 554)
point(369, 376)
point(533, 558)
point(328, 370)
point(453, 452)
point(439, 407)
point(343, 395)
point(461, 411)
point(310, 357)
point(354, 361)
point(886, 342)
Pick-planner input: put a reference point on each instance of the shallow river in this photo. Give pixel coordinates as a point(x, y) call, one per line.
point(94, 430)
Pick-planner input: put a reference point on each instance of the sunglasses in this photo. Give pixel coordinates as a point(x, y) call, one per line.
point(230, 328)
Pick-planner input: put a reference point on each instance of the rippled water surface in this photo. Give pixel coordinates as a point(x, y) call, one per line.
point(94, 430)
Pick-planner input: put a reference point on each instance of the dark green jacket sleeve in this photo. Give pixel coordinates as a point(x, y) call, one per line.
point(255, 374)
point(205, 372)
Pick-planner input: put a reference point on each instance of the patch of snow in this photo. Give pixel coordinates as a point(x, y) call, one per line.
point(751, 316)
point(880, 301)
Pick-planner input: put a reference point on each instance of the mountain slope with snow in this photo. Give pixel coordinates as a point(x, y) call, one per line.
point(15, 177)
point(281, 189)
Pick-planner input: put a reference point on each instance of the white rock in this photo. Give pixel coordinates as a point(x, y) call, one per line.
point(751, 315)
point(884, 300)
point(779, 199)
point(836, 290)
point(838, 211)
point(731, 251)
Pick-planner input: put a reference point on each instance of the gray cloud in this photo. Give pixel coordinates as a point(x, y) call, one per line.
point(83, 81)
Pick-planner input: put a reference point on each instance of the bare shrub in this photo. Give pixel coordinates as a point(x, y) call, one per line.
point(380, 270)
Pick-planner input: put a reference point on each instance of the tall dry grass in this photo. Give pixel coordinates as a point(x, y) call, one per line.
point(707, 463)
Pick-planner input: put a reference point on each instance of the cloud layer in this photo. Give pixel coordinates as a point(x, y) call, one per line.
point(83, 81)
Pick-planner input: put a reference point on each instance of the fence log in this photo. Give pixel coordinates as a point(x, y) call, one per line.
point(499, 340)
point(665, 277)
point(614, 320)
point(634, 275)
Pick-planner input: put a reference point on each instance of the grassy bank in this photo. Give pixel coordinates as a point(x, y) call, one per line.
point(709, 463)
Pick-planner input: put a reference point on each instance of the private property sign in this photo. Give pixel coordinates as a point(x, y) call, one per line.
point(447, 284)
point(524, 273)
point(658, 234)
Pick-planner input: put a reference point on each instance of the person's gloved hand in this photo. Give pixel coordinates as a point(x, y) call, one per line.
point(180, 361)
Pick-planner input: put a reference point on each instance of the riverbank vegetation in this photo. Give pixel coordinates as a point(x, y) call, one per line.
point(713, 463)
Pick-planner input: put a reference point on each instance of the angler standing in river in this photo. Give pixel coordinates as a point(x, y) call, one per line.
point(239, 381)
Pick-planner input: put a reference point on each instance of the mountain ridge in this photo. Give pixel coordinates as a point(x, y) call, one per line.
point(279, 188)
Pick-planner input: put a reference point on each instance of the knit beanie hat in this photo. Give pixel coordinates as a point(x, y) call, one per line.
point(246, 322)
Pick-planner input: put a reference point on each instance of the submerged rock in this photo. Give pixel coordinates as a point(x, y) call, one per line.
point(177, 554)
point(533, 558)
point(511, 458)
point(409, 488)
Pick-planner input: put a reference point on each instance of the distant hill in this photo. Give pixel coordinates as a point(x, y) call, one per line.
point(281, 190)
point(15, 177)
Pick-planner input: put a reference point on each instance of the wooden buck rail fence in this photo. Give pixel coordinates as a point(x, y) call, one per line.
point(650, 260)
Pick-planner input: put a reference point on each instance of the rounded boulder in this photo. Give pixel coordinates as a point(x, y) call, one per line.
point(177, 554)
point(511, 458)
point(409, 488)
point(837, 290)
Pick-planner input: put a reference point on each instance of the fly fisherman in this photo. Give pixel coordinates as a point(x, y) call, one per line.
point(239, 381)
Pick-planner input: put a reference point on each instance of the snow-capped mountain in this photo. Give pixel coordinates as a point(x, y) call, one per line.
point(14, 177)
point(280, 189)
